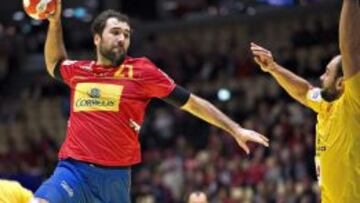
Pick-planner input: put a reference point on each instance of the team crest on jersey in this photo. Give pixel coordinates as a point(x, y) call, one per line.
point(315, 95)
point(97, 97)
point(94, 93)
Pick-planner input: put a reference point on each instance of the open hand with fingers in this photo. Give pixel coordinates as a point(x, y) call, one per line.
point(242, 136)
point(263, 57)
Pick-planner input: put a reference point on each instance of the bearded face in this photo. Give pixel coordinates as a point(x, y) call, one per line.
point(116, 55)
point(331, 89)
point(113, 43)
point(329, 94)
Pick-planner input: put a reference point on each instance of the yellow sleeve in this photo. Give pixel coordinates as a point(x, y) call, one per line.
point(12, 191)
point(25, 195)
point(352, 91)
point(22, 194)
point(314, 99)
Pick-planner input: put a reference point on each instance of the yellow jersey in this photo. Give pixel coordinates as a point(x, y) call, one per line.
point(338, 143)
point(13, 192)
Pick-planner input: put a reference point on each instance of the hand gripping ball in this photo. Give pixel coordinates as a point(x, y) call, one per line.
point(39, 9)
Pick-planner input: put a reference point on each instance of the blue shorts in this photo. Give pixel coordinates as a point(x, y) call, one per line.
point(77, 182)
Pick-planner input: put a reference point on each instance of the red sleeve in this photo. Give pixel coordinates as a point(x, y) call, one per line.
point(156, 82)
point(68, 69)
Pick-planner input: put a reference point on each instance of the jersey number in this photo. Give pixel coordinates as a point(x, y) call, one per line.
point(125, 71)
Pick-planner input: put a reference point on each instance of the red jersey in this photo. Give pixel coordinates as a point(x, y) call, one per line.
point(103, 100)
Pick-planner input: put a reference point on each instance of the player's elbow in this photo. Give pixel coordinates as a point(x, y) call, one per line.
point(302, 93)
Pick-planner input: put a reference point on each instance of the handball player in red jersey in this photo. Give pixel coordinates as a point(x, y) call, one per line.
point(108, 101)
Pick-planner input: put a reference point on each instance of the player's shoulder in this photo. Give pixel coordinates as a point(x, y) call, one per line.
point(142, 62)
point(355, 78)
point(10, 183)
point(69, 62)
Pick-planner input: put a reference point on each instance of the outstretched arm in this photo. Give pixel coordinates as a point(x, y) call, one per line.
point(349, 30)
point(54, 45)
point(294, 85)
point(208, 112)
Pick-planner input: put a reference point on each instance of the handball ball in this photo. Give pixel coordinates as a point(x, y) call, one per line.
point(39, 9)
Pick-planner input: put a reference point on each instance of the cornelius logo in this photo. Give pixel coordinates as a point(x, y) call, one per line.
point(94, 103)
point(103, 97)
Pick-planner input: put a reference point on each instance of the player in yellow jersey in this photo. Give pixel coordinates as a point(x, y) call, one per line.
point(13, 192)
point(337, 104)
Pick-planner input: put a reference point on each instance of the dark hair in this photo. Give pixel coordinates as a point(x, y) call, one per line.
point(98, 25)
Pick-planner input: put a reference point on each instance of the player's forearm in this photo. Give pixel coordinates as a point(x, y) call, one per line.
point(294, 85)
point(209, 113)
point(54, 46)
point(349, 32)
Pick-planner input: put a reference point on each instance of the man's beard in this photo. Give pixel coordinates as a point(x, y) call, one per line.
point(116, 59)
point(329, 95)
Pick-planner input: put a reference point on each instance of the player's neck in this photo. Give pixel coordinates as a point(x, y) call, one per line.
point(103, 62)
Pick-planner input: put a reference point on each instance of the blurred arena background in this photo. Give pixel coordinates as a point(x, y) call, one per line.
point(204, 46)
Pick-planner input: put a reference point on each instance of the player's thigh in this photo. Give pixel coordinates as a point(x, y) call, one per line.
point(64, 186)
point(118, 188)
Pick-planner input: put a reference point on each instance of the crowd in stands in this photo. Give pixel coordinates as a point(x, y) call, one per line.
point(191, 9)
point(182, 154)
